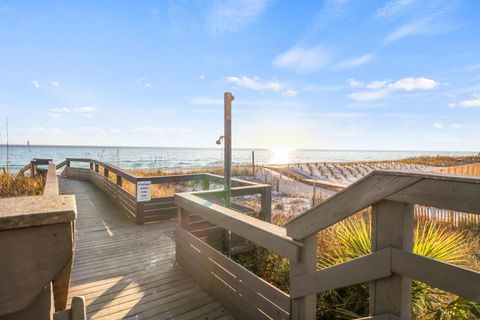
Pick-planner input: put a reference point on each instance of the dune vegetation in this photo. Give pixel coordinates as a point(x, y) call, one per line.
point(351, 239)
point(15, 185)
point(441, 161)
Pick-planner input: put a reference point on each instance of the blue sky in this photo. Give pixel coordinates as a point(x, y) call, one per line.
point(400, 74)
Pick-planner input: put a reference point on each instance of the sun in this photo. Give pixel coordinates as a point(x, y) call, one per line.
point(280, 154)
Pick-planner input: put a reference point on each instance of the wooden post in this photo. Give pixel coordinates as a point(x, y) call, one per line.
point(206, 184)
point(91, 165)
point(227, 170)
point(266, 204)
point(105, 172)
point(97, 168)
point(183, 218)
point(253, 163)
point(139, 213)
point(392, 226)
point(314, 192)
point(305, 308)
point(228, 98)
point(119, 180)
point(32, 168)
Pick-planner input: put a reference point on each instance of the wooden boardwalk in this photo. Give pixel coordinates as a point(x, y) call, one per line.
point(128, 271)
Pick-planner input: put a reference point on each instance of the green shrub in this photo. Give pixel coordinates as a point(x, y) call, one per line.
point(352, 238)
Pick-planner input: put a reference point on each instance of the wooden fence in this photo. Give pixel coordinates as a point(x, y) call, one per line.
point(465, 170)
point(389, 269)
point(121, 186)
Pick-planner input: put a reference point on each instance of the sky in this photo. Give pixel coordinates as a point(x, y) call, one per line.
point(335, 74)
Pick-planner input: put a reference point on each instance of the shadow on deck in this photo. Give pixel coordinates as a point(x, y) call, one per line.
point(129, 271)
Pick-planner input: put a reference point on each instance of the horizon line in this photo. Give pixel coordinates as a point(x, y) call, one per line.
point(214, 148)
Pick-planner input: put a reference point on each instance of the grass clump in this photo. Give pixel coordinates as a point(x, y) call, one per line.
point(441, 161)
point(15, 185)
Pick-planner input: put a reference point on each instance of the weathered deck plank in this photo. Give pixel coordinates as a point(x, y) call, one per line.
point(126, 270)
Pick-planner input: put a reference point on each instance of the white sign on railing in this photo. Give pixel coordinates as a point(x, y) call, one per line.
point(144, 191)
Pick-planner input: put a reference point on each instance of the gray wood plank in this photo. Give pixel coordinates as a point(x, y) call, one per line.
point(124, 269)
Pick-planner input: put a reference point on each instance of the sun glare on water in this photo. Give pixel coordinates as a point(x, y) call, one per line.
point(280, 155)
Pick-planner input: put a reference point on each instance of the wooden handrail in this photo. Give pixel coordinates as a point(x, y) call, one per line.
point(389, 268)
point(160, 179)
point(62, 164)
point(51, 183)
point(460, 281)
point(449, 192)
point(267, 235)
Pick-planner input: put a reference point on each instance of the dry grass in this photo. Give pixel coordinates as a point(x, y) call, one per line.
point(441, 161)
point(237, 170)
point(13, 185)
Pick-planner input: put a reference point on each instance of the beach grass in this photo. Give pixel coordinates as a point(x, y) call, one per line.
point(15, 185)
point(238, 170)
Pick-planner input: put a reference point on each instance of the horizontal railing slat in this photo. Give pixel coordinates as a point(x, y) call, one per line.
point(256, 290)
point(445, 276)
point(262, 233)
point(364, 269)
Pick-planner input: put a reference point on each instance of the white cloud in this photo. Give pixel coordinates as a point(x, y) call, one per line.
point(36, 84)
point(468, 103)
point(355, 83)
point(378, 84)
point(255, 83)
point(331, 10)
point(410, 84)
point(234, 15)
point(55, 83)
point(428, 18)
point(202, 77)
point(290, 93)
point(58, 112)
point(456, 126)
point(393, 8)
point(354, 62)
point(412, 28)
point(302, 59)
point(380, 89)
point(438, 125)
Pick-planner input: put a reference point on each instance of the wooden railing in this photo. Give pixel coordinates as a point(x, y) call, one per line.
point(389, 269)
point(121, 186)
point(36, 254)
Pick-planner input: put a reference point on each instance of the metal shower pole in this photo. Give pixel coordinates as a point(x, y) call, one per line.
point(227, 171)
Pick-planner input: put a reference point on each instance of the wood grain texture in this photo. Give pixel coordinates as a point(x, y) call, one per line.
point(367, 268)
point(262, 233)
point(128, 271)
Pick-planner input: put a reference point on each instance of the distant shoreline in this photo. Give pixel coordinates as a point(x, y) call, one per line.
point(239, 148)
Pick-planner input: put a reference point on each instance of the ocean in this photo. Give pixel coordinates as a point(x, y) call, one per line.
point(150, 157)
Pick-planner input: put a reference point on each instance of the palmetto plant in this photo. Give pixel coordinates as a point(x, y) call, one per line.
point(352, 239)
